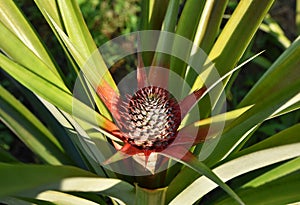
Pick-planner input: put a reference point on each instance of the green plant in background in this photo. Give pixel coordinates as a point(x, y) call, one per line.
point(107, 19)
point(264, 172)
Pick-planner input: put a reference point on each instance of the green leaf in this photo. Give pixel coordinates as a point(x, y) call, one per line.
point(78, 39)
point(210, 127)
point(50, 7)
point(11, 200)
point(290, 108)
point(37, 83)
point(92, 145)
point(149, 196)
point(20, 178)
point(14, 20)
point(157, 11)
point(53, 94)
point(186, 27)
point(271, 27)
point(241, 27)
point(226, 52)
point(285, 137)
point(151, 18)
point(190, 17)
point(209, 24)
point(282, 191)
point(30, 130)
point(81, 38)
point(76, 28)
point(73, 148)
point(144, 17)
point(188, 176)
point(192, 162)
point(279, 75)
point(164, 42)
point(298, 16)
point(52, 117)
point(280, 171)
point(90, 68)
point(171, 16)
point(63, 198)
point(234, 168)
point(29, 180)
point(277, 87)
point(16, 49)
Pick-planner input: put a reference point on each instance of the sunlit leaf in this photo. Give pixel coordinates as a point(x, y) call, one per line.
point(30, 130)
point(282, 191)
point(15, 49)
point(279, 75)
point(280, 171)
point(80, 36)
point(192, 162)
point(209, 24)
point(29, 180)
point(241, 27)
point(63, 198)
point(236, 167)
point(271, 26)
point(53, 94)
point(13, 19)
point(278, 86)
point(190, 17)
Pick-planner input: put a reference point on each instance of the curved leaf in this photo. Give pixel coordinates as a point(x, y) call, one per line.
point(190, 17)
point(63, 198)
point(209, 24)
point(287, 136)
point(226, 52)
point(237, 167)
point(282, 191)
point(13, 19)
point(30, 130)
point(29, 180)
point(192, 162)
point(241, 27)
point(280, 84)
point(280, 171)
point(188, 176)
point(15, 49)
point(284, 70)
point(54, 94)
point(80, 36)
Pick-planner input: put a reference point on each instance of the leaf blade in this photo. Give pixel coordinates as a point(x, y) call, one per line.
point(30, 130)
point(12, 18)
point(62, 178)
point(192, 162)
point(236, 168)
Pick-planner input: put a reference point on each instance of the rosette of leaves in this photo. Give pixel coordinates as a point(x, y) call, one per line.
point(264, 172)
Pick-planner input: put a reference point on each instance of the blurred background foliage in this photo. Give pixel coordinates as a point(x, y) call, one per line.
point(107, 19)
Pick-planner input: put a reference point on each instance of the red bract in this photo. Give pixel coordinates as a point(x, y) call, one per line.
point(148, 120)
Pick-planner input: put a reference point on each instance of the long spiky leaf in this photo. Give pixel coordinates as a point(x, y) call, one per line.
point(192, 162)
